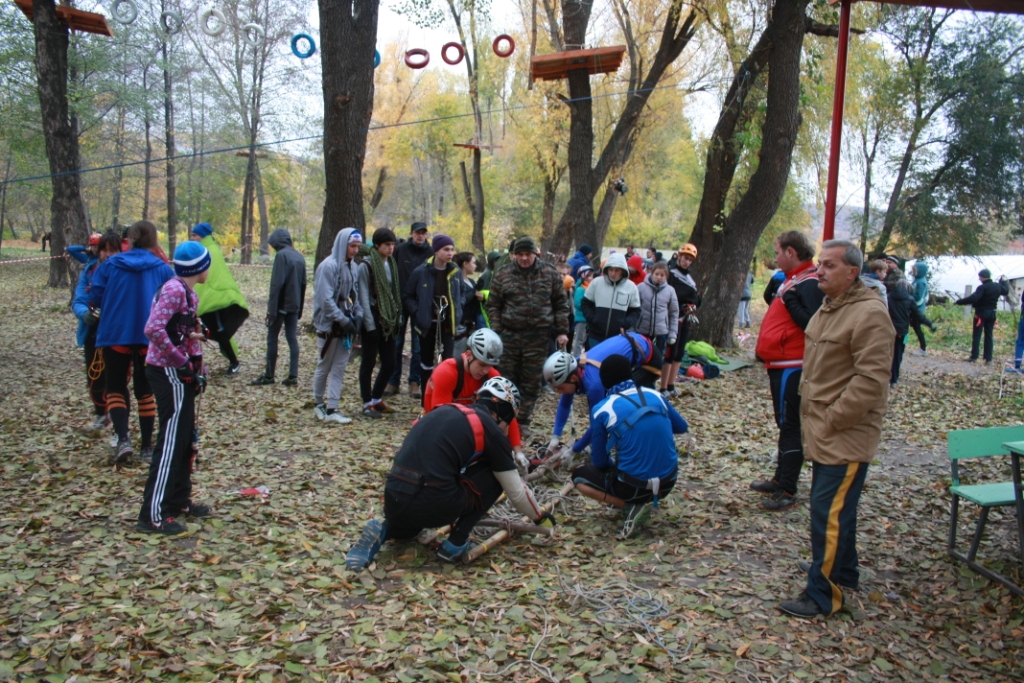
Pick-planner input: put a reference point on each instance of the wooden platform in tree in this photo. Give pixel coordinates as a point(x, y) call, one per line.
point(600, 60)
point(1001, 6)
point(474, 145)
point(76, 19)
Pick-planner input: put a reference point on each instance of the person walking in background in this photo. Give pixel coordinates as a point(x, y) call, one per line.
point(919, 318)
point(1018, 350)
point(381, 301)
point(284, 307)
point(984, 299)
point(174, 368)
point(743, 313)
point(900, 302)
point(123, 288)
point(101, 247)
point(845, 396)
point(337, 317)
point(222, 307)
point(409, 255)
point(527, 305)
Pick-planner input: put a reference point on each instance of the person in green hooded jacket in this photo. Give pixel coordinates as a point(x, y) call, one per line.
point(222, 307)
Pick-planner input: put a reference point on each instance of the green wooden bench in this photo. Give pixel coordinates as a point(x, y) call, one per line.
point(967, 444)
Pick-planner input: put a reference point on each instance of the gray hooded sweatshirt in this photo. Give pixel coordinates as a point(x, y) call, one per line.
point(335, 297)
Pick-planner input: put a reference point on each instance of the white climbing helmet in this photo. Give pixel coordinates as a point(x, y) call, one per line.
point(558, 368)
point(501, 389)
point(486, 346)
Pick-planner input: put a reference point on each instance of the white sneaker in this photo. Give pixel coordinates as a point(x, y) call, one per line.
point(320, 410)
point(338, 418)
point(114, 440)
point(100, 423)
point(921, 352)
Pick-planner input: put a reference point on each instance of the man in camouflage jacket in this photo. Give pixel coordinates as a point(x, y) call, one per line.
point(526, 306)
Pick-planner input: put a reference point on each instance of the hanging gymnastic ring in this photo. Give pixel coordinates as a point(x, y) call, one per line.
point(511, 45)
point(376, 59)
point(204, 22)
point(417, 52)
point(253, 34)
point(124, 11)
point(295, 45)
point(174, 25)
point(457, 60)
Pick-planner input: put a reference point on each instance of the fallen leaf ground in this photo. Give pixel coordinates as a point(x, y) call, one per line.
point(260, 592)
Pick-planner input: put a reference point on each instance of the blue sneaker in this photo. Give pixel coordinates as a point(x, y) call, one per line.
point(458, 554)
point(363, 550)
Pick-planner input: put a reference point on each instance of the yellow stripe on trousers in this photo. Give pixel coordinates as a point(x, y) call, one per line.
point(832, 532)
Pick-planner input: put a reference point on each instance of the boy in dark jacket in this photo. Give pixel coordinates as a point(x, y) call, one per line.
point(900, 301)
point(433, 300)
point(689, 300)
point(409, 255)
point(284, 306)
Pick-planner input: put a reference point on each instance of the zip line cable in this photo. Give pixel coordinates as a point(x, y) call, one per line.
point(369, 129)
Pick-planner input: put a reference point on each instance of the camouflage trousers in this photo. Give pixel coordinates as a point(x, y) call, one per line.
point(522, 361)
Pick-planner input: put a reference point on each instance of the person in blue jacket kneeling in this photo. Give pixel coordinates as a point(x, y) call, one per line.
point(639, 424)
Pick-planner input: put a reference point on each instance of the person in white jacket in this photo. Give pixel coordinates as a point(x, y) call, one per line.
point(612, 303)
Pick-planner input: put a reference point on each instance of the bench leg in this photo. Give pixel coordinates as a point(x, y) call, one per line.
point(978, 531)
point(953, 509)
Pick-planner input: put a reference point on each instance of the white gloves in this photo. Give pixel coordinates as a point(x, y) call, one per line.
point(522, 463)
point(553, 444)
point(671, 341)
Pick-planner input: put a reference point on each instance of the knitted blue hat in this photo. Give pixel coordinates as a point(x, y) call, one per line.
point(203, 230)
point(190, 258)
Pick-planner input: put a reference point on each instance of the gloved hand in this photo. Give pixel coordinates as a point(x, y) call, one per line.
point(191, 378)
point(546, 520)
point(671, 341)
point(270, 320)
point(522, 463)
point(553, 444)
point(91, 317)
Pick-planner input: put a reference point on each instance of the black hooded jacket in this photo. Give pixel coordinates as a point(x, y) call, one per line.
point(409, 256)
point(288, 279)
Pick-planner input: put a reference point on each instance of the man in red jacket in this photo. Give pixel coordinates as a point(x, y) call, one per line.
point(780, 346)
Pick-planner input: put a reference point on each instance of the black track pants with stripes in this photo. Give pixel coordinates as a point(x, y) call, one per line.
point(169, 485)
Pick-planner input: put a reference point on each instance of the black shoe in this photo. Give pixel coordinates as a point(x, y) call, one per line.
point(196, 510)
point(168, 527)
point(780, 500)
point(805, 567)
point(372, 412)
point(802, 606)
point(233, 369)
point(262, 381)
point(146, 455)
point(290, 382)
point(634, 518)
point(972, 360)
point(766, 486)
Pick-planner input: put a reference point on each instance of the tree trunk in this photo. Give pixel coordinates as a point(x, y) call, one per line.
point(172, 201)
point(247, 202)
point(725, 253)
point(348, 36)
point(378, 192)
point(261, 204)
point(148, 166)
point(67, 209)
point(585, 181)
point(119, 158)
point(3, 201)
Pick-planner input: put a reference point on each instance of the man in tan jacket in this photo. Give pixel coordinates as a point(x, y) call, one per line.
point(844, 394)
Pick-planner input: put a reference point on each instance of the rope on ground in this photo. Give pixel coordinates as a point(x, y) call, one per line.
point(544, 671)
point(625, 606)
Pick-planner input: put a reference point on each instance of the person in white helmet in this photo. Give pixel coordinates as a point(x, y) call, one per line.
point(452, 467)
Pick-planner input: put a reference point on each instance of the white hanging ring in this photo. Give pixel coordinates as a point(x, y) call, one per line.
point(219, 25)
point(171, 21)
point(124, 11)
point(253, 34)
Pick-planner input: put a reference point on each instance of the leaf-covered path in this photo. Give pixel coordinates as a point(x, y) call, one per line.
point(260, 592)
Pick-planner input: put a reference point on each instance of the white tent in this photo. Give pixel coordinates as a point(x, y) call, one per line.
point(950, 275)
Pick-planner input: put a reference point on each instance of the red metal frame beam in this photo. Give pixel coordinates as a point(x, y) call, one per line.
point(837, 122)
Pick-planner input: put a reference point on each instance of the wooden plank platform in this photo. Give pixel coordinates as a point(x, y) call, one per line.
point(473, 145)
point(556, 66)
point(76, 19)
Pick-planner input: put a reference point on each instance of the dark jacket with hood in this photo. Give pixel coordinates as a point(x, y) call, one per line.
point(123, 288)
point(985, 299)
point(418, 295)
point(288, 278)
point(578, 260)
point(901, 307)
point(682, 282)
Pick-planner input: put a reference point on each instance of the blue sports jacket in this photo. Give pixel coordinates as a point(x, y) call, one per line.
point(123, 288)
point(646, 448)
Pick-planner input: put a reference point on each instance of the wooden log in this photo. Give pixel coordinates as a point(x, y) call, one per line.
point(518, 527)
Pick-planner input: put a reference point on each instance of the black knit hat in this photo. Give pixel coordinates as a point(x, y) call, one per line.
point(615, 369)
point(383, 236)
point(524, 243)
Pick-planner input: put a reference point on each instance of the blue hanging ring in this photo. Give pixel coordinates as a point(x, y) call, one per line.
point(295, 45)
point(376, 59)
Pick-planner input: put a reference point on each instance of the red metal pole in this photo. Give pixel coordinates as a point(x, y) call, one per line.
point(837, 121)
